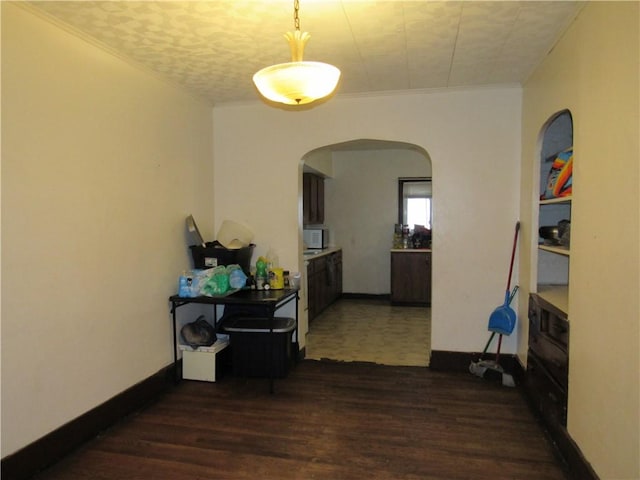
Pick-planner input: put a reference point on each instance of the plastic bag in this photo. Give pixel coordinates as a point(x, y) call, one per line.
point(217, 283)
point(189, 283)
point(237, 277)
point(199, 333)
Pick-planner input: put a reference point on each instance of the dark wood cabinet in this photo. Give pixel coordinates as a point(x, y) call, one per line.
point(312, 199)
point(337, 291)
point(324, 282)
point(316, 272)
point(411, 278)
point(547, 376)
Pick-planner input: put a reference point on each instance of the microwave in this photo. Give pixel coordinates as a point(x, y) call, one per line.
point(316, 237)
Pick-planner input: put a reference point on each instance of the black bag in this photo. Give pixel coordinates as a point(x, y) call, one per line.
point(199, 333)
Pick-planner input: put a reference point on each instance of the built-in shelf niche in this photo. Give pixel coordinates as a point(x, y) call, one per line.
point(553, 260)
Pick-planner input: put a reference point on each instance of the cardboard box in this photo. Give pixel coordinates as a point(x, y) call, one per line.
point(200, 364)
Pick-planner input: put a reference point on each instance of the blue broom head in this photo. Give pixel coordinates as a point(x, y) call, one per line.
point(502, 320)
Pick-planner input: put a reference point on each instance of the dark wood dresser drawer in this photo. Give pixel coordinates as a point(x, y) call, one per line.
point(549, 339)
point(549, 320)
point(547, 377)
point(554, 358)
point(548, 397)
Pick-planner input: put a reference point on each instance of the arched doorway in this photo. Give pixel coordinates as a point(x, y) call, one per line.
point(360, 211)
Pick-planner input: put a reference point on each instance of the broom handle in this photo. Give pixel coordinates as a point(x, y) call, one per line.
point(486, 347)
point(513, 255)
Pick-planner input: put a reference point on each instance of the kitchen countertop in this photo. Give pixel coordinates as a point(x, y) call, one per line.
point(319, 252)
point(410, 250)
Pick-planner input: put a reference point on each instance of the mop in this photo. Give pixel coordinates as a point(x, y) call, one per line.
point(502, 321)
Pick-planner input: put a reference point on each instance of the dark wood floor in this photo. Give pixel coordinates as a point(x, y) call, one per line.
point(334, 421)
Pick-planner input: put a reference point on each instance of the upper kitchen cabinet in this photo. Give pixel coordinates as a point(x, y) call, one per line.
point(312, 199)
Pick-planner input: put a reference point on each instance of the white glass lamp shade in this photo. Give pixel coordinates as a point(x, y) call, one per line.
point(297, 83)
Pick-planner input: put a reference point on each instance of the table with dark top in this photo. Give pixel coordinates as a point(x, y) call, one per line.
point(267, 301)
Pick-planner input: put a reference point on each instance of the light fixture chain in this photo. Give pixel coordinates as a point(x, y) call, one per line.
point(296, 19)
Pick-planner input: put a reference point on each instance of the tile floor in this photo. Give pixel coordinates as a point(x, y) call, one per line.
point(371, 331)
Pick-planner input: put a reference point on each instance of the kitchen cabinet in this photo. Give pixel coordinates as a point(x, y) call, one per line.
point(324, 282)
point(316, 272)
point(410, 277)
point(312, 199)
point(337, 292)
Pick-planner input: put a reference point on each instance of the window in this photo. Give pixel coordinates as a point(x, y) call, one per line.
point(414, 201)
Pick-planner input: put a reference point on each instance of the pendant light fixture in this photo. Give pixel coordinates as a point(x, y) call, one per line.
point(297, 82)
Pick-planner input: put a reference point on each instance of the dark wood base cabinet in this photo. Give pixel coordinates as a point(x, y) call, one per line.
point(411, 277)
point(547, 377)
point(546, 381)
point(324, 282)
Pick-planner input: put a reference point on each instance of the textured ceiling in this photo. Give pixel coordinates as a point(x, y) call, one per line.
point(214, 47)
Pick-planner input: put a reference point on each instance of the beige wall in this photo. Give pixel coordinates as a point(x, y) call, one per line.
point(101, 163)
point(473, 139)
point(320, 161)
point(593, 72)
